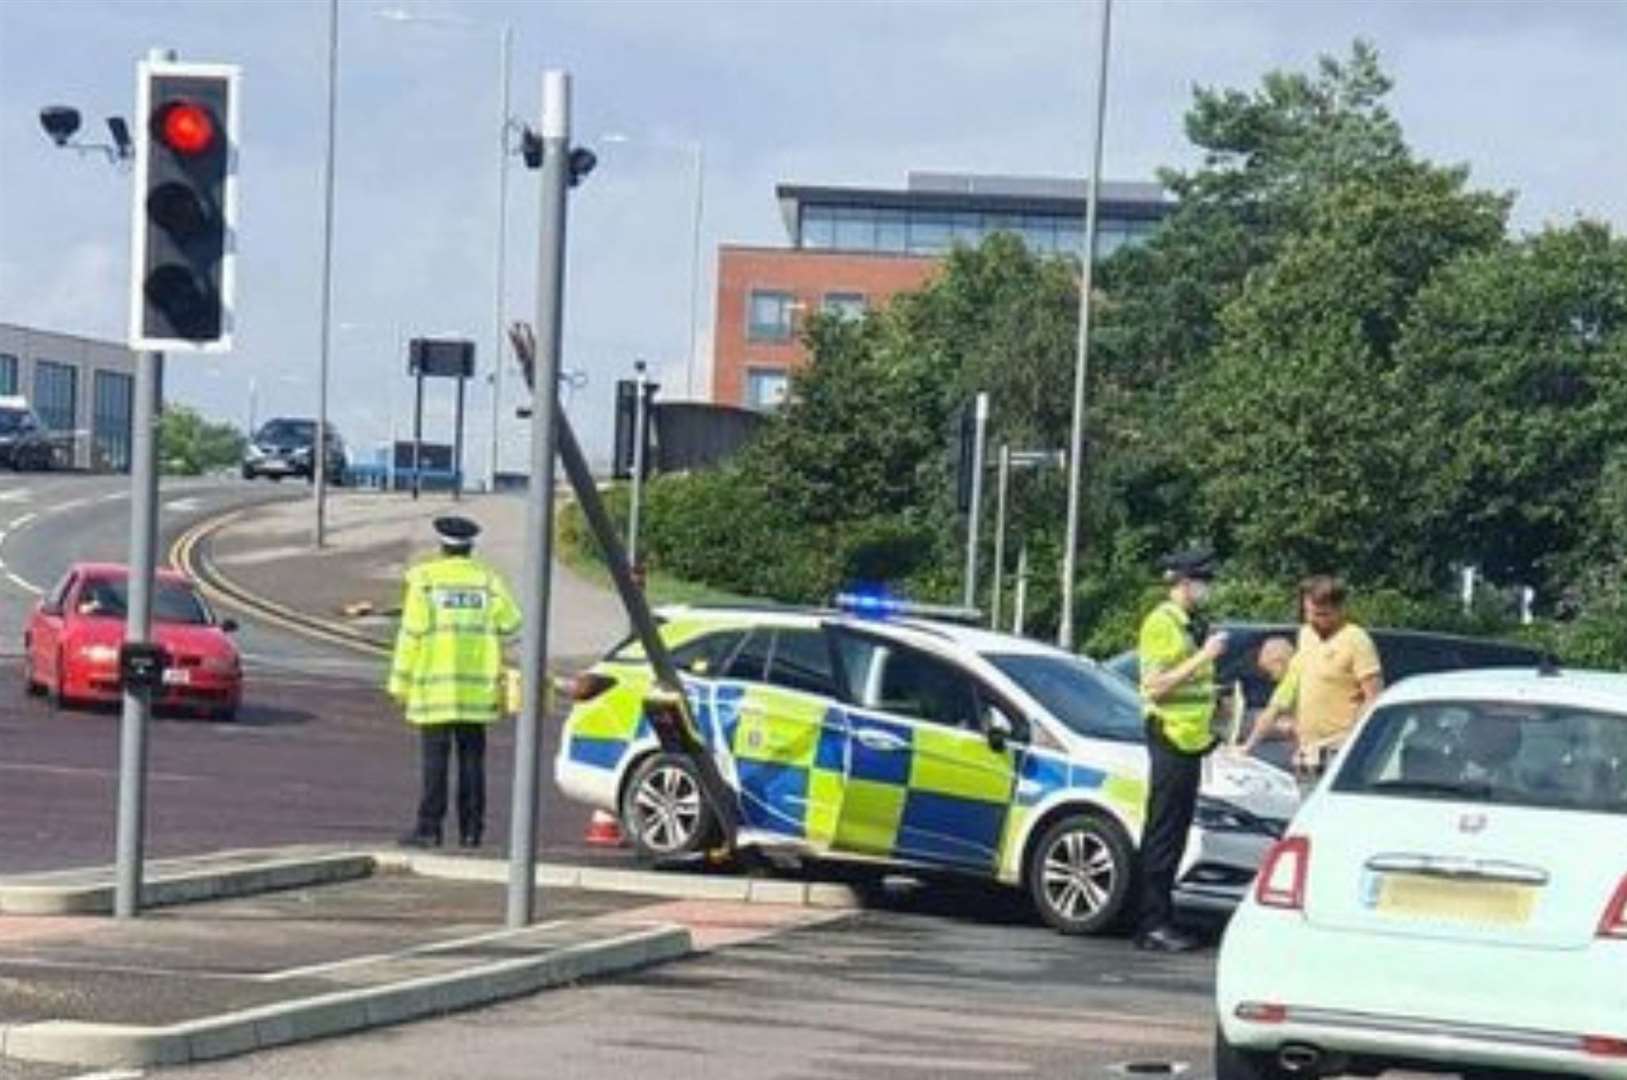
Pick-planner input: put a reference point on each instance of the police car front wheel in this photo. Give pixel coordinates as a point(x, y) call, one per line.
point(1080, 875)
point(664, 812)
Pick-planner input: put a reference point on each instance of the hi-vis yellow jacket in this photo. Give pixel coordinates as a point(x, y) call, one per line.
point(448, 665)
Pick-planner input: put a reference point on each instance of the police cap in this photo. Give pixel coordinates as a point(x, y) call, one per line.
point(456, 531)
point(1198, 564)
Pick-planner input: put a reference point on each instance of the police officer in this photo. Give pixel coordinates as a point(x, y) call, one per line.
point(447, 674)
point(1177, 658)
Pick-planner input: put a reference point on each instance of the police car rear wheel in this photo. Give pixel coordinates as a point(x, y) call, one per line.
point(664, 811)
point(1080, 874)
point(1232, 1063)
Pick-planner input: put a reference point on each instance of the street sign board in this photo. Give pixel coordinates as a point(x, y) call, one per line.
point(447, 358)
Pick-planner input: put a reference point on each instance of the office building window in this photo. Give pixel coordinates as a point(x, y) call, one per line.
point(855, 229)
point(892, 230)
point(112, 397)
point(770, 316)
point(56, 394)
point(9, 375)
point(929, 234)
point(766, 387)
point(818, 227)
point(845, 305)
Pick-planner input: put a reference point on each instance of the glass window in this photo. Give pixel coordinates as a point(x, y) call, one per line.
point(1039, 233)
point(110, 419)
point(818, 227)
point(892, 230)
point(929, 233)
point(855, 229)
point(9, 380)
point(288, 433)
point(750, 660)
point(172, 601)
point(1492, 752)
point(907, 682)
point(1070, 236)
point(802, 662)
point(770, 316)
point(845, 305)
point(766, 387)
point(59, 595)
point(1110, 236)
point(1088, 701)
point(966, 227)
point(56, 394)
point(707, 654)
point(1011, 223)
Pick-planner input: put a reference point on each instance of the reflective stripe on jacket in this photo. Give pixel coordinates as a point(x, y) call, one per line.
point(448, 663)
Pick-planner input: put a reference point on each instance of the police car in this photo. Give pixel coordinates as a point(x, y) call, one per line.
point(913, 742)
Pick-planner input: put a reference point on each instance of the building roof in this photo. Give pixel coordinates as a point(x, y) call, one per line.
point(981, 191)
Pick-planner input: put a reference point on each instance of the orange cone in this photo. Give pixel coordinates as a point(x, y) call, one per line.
point(603, 830)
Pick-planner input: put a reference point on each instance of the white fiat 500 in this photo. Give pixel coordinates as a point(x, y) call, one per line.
point(1451, 898)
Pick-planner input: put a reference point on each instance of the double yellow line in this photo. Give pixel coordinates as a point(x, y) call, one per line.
point(186, 555)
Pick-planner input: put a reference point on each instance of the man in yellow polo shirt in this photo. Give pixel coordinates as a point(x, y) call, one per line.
point(1334, 676)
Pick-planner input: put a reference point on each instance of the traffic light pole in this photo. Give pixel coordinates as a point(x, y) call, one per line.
point(639, 421)
point(137, 629)
point(1000, 486)
point(974, 517)
point(539, 522)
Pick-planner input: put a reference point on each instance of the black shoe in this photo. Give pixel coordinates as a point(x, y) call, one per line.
point(1167, 939)
point(417, 839)
point(469, 840)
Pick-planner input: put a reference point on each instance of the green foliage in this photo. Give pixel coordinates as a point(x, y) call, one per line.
point(189, 445)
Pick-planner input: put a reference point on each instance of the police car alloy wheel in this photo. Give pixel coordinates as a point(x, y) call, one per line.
point(664, 812)
point(1080, 874)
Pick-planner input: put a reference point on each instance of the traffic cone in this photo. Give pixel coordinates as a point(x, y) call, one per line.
point(603, 830)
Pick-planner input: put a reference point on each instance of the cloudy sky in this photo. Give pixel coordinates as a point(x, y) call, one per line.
point(1531, 95)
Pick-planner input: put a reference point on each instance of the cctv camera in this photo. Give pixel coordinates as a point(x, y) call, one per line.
point(582, 161)
point(59, 122)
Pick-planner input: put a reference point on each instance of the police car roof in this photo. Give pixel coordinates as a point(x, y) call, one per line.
point(927, 631)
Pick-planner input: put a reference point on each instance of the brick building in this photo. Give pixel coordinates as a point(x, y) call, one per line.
point(855, 248)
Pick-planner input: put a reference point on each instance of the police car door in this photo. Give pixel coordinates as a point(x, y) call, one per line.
point(787, 733)
point(925, 782)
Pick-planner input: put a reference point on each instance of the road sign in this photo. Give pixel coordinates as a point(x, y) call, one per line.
point(445, 358)
point(184, 217)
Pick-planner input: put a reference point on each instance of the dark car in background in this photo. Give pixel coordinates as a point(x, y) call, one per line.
point(282, 447)
point(1404, 653)
point(25, 442)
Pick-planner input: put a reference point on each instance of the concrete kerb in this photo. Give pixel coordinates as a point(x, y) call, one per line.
point(114, 1045)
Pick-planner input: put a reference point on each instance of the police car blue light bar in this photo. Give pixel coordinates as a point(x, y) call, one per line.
point(883, 606)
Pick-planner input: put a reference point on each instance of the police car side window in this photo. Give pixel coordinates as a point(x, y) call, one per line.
point(706, 654)
point(751, 659)
point(802, 662)
point(922, 687)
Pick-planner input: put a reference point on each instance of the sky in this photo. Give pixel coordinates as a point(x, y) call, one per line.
point(857, 92)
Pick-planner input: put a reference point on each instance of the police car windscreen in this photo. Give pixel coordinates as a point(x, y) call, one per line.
point(1492, 752)
point(1090, 702)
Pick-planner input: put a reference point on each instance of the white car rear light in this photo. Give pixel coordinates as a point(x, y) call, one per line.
point(1604, 1046)
point(1281, 881)
point(1613, 924)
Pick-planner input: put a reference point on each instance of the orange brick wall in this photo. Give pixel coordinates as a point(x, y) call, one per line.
point(808, 276)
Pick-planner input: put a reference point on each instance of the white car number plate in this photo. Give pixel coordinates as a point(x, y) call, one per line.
point(177, 677)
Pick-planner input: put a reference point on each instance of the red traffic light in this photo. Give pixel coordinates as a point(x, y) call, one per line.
point(185, 127)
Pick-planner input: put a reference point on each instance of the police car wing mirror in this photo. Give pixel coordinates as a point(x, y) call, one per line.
point(997, 726)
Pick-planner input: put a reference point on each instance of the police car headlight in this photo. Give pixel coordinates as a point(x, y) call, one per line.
point(254, 453)
point(1217, 815)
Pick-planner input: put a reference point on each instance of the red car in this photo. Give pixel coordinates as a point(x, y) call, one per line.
point(71, 643)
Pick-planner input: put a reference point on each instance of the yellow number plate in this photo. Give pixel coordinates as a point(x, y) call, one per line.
point(1496, 903)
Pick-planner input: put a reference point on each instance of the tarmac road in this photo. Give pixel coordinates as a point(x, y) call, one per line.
point(319, 754)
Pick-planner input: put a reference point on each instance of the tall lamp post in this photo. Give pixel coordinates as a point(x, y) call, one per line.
point(505, 125)
point(697, 151)
point(1070, 552)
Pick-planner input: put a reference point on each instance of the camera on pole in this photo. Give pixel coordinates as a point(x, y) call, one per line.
point(183, 263)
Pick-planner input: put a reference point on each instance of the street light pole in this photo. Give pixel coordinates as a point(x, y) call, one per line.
point(507, 48)
point(319, 450)
point(695, 272)
point(1070, 551)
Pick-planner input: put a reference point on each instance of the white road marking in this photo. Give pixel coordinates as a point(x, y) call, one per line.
point(113, 1074)
point(115, 497)
point(77, 770)
point(17, 523)
point(416, 950)
point(71, 504)
point(25, 586)
point(19, 495)
point(183, 506)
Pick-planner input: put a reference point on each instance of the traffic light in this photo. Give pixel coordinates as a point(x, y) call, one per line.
point(185, 216)
point(621, 464)
point(965, 423)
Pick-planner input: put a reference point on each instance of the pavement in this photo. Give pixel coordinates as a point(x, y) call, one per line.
point(261, 558)
point(391, 939)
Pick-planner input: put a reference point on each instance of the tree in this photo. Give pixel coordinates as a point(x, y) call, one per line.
point(189, 445)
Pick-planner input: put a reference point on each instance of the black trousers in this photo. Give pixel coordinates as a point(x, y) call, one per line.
point(1172, 800)
point(436, 749)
